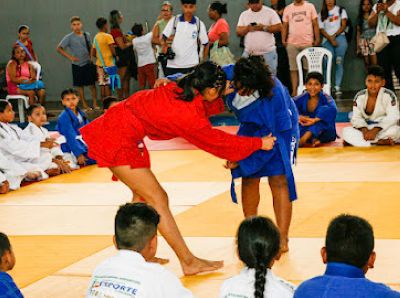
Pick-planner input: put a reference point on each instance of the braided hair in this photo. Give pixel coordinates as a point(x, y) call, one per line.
point(205, 75)
point(258, 241)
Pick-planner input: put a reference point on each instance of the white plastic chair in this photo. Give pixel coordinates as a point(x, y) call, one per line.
point(315, 59)
point(23, 104)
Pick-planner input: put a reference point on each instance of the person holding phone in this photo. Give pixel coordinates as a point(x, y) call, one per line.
point(257, 25)
point(385, 17)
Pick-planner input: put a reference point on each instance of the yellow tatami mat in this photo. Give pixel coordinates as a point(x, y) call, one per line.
point(62, 228)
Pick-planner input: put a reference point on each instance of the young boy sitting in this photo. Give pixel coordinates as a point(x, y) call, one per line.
point(129, 273)
point(376, 115)
point(317, 113)
point(8, 288)
point(68, 124)
point(12, 174)
point(109, 102)
point(349, 254)
point(53, 157)
point(16, 150)
point(146, 58)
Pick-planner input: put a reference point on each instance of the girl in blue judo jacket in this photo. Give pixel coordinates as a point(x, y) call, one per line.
point(264, 107)
point(317, 113)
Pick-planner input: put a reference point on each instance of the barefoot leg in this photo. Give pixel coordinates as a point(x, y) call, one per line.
point(250, 196)
point(144, 184)
point(282, 207)
point(305, 138)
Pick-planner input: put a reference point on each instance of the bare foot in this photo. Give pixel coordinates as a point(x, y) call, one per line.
point(284, 245)
point(387, 142)
point(316, 143)
point(159, 261)
point(199, 265)
point(33, 176)
point(53, 172)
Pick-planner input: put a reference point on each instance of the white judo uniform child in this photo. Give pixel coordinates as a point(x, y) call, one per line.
point(258, 241)
point(24, 152)
point(12, 174)
point(52, 159)
point(129, 273)
point(376, 115)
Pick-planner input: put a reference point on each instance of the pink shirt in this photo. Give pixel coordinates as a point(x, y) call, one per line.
point(259, 42)
point(221, 26)
point(23, 72)
point(300, 19)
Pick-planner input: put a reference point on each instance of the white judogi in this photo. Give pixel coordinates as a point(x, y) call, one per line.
point(242, 286)
point(129, 275)
point(23, 152)
point(11, 171)
point(386, 116)
point(32, 131)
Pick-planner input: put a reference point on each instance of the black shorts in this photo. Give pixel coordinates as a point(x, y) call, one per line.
point(124, 57)
point(171, 71)
point(84, 75)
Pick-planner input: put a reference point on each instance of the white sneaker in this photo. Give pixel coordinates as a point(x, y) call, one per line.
point(338, 92)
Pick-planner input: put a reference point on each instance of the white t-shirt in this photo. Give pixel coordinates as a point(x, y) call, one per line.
point(259, 42)
point(185, 41)
point(128, 275)
point(242, 286)
point(334, 21)
point(144, 49)
point(391, 29)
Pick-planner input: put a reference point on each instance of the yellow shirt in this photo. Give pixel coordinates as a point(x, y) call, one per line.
point(104, 40)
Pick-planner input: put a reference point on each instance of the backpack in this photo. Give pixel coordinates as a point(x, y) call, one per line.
point(349, 31)
point(176, 21)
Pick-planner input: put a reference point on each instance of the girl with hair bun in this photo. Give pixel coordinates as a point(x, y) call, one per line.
point(258, 244)
point(115, 140)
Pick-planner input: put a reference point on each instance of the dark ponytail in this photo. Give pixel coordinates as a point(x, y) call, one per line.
point(253, 74)
point(221, 8)
point(324, 11)
point(258, 241)
point(205, 75)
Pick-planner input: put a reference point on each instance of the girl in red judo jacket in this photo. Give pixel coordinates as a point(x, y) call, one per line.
point(180, 109)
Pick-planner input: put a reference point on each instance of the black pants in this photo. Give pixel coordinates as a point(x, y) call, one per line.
point(389, 59)
point(283, 72)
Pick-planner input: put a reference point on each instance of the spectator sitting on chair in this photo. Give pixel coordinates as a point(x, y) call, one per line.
point(258, 24)
point(21, 77)
point(300, 31)
point(349, 254)
point(79, 44)
point(190, 34)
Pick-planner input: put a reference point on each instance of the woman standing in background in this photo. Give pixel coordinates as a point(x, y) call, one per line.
point(123, 50)
point(283, 60)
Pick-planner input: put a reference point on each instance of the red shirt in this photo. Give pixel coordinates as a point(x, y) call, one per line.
point(117, 33)
point(221, 26)
point(159, 115)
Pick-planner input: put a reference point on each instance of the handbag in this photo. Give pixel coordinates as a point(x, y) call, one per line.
point(221, 55)
point(32, 86)
point(112, 71)
point(381, 40)
point(92, 67)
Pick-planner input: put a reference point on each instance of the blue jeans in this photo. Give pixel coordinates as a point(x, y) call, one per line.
point(271, 59)
point(338, 54)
